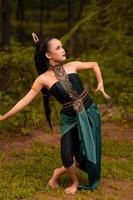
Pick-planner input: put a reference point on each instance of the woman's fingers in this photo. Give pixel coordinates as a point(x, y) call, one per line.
point(103, 92)
point(106, 95)
point(96, 90)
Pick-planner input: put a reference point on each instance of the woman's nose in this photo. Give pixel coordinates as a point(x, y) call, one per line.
point(63, 51)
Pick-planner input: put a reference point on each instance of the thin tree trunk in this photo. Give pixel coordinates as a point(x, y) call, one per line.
point(70, 13)
point(47, 17)
point(41, 16)
point(20, 10)
point(72, 19)
point(5, 22)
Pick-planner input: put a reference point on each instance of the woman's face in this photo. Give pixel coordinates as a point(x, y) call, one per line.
point(56, 51)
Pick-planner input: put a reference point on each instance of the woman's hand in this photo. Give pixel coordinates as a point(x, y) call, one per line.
point(100, 88)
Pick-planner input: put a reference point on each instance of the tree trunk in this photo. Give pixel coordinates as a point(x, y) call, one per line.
point(72, 19)
point(70, 13)
point(20, 10)
point(5, 22)
point(47, 17)
point(41, 17)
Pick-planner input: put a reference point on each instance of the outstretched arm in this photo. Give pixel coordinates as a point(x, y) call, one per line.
point(95, 67)
point(33, 92)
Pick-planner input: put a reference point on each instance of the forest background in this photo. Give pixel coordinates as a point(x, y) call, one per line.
point(91, 30)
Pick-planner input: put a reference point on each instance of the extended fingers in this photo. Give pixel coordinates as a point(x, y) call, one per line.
point(106, 95)
point(103, 92)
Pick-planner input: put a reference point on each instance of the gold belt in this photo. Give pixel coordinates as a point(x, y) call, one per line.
point(79, 98)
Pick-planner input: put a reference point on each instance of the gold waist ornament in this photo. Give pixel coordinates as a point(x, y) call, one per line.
point(67, 85)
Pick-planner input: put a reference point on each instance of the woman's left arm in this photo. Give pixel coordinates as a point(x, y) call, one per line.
point(95, 67)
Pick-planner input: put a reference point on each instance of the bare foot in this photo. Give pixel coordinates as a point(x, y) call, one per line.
point(54, 180)
point(73, 188)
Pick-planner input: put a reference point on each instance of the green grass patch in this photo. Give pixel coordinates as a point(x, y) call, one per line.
point(117, 149)
point(27, 174)
point(117, 169)
point(20, 179)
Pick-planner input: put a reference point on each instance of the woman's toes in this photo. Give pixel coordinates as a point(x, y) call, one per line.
point(53, 184)
point(72, 189)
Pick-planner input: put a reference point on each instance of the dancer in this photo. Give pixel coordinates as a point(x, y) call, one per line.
point(79, 117)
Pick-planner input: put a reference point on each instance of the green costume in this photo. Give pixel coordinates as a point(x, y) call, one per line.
point(90, 136)
point(79, 109)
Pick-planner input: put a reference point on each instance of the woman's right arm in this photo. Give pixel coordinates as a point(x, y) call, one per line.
point(33, 92)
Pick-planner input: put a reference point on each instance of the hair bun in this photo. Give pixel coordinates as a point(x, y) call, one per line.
point(35, 38)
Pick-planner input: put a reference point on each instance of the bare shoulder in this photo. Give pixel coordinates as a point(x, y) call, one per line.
point(79, 65)
point(42, 79)
point(72, 65)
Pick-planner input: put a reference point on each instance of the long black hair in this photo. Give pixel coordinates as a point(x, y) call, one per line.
point(42, 65)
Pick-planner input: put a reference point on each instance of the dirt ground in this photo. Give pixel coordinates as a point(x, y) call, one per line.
point(109, 130)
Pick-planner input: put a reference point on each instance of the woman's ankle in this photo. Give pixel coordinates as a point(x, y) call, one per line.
point(60, 170)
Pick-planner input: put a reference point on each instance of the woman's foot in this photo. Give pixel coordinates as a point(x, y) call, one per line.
point(73, 188)
point(54, 180)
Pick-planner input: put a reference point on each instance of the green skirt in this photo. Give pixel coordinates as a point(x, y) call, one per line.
point(89, 131)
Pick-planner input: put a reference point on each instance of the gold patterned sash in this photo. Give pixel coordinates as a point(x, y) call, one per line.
point(61, 76)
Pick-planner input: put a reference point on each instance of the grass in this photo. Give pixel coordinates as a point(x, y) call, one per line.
point(26, 174)
point(117, 149)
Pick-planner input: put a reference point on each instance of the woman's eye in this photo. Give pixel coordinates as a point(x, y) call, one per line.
point(58, 48)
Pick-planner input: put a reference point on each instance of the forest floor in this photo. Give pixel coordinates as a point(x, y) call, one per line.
point(27, 163)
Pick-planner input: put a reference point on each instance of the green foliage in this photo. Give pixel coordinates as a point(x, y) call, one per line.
point(104, 36)
point(107, 40)
point(18, 66)
point(67, 36)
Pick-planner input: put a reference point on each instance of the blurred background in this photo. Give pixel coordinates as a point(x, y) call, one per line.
point(91, 30)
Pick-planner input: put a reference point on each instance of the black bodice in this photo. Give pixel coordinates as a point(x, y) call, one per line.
point(62, 96)
point(59, 92)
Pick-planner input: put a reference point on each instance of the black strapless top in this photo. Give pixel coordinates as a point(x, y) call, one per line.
point(62, 96)
point(59, 92)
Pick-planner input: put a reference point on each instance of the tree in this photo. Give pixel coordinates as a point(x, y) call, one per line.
point(41, 16)
point(20, 10)
point(74, 17)
point(5, 22)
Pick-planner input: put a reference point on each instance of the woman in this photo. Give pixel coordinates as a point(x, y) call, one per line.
point(80, 117)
